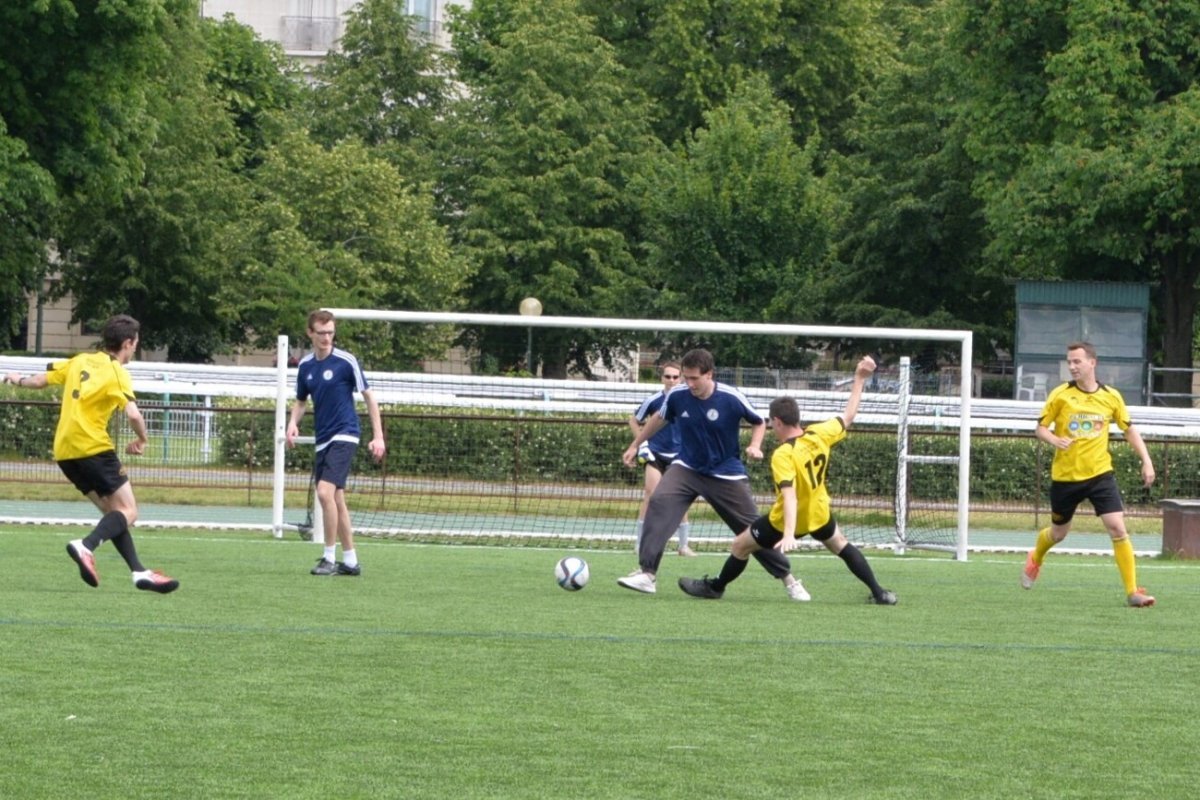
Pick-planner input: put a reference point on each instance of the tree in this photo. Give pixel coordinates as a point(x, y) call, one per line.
point(27, 201)
point(911, 249)
point(253, 81)
point(73, 78)
point(159, 252)
point(545, 145)
point(689, 55)
point(75, 118)
point(740, 226)
point(366, 241)
point(1085, 124)
point(386, 86)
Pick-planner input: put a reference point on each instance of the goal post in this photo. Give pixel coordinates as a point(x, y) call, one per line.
point(476, 392)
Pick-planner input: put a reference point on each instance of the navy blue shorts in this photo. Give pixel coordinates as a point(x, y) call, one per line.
point(1102, 491)
point(766, 535)
point(101, 473)
point(333, 463)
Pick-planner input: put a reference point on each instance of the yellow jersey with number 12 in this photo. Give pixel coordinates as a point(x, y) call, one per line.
point(803, 462)
point(94, 386)
point(1085, 418)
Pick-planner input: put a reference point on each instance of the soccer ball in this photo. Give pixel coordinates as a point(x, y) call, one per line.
point(571, 573)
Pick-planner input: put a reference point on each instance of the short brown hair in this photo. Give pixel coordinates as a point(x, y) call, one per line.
point(699, 359)
point(786, 410)
point(1086, 347)
point(320, 315)
point(117, 330)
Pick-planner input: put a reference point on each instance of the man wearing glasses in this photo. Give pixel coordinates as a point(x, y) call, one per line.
point(331, 376)
point(657, 453)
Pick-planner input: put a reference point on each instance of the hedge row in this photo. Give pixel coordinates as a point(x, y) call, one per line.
point(526, 449)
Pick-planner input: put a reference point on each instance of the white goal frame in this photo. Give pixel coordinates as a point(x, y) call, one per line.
point(964, 339)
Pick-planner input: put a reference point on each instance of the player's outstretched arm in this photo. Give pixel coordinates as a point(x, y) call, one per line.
point(37, 381)
point(866, 366)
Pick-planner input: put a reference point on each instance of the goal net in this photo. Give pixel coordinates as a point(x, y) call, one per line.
point(511, 429)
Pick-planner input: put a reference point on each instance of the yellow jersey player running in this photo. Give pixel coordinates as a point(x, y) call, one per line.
point(94, 386)
point(1075, 421)
point(802, 507)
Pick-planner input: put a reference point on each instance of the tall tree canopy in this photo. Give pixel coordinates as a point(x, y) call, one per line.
point(911, 249)
point(75, 118)
point(1084, 117)
point(689, 55)
point(386, 86)
point(740, 227)
point(547, 138)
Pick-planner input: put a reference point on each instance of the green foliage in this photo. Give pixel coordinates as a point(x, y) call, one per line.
point(691, 55)
point(73, 86)
point(28, 203)
point(185, 250)
point(387, 86)
point(27, 429)
point(913, 222)
point(436, 445)
point(739, 225)
point(1083, 118)
point(545, 142)
point(251, 79)
point(364, 240)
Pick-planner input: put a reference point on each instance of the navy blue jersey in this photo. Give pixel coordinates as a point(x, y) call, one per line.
point(666, 441)
point(708, 429)
point(331, 383)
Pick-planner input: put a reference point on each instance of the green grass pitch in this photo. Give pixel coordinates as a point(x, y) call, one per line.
point(465, 672)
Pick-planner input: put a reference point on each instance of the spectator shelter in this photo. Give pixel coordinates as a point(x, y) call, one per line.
point(1112, 316)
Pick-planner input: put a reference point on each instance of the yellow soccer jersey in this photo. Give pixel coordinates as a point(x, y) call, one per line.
point(1084, 417)
point(802, 462)
point(94, 386)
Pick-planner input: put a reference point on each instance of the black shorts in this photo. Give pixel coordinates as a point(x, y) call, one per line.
point(333, 463)
point(1102, 491)
point(101, 473)
point(660, 462)
point(767, 535)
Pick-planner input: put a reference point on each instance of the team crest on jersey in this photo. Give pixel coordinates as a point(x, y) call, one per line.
point(327, 374)
point(712, 415)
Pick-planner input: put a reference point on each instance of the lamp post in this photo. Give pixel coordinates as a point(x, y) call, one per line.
point(530, 307)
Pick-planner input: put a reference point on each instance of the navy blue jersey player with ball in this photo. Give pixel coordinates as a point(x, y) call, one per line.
point(708, 415)
point(331, 376)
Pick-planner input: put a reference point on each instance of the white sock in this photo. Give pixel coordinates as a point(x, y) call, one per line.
point(350, 558)
point(331, 553)
point(682, 533)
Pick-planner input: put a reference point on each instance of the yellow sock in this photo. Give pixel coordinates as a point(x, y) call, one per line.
point(1123, 550)
point(1042, 546)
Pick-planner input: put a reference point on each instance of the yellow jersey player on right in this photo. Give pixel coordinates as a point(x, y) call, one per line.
point(1076, 421)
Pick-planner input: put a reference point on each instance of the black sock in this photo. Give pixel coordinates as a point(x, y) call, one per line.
point(857, 563)
point(111, 525)
point(730, 570)
point(774, 562)
point(124, 545)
